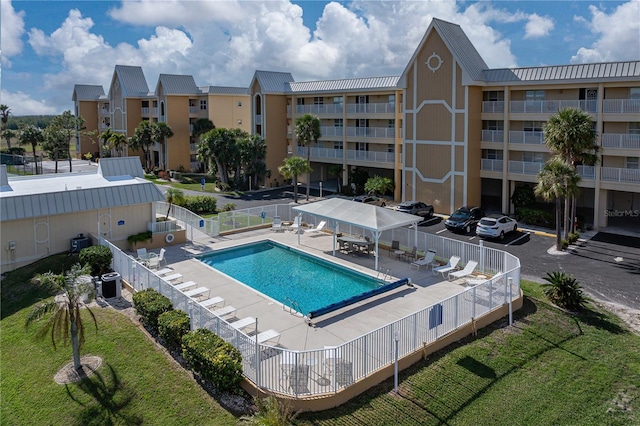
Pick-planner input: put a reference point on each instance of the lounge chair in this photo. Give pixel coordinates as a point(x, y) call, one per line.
point(185, 285)
point(243, 323)
point(197, 292)
point(155, 260)
point(223, 312)
point(142, 254)
point(465, 272)
point(277, 224)
point(318, 228)
point(172, 277)
point(427, 260)
point(268, 335)
point(295, 226)
point(209, 303)
point(451, 265)
point(472, 282)
point(163, 271)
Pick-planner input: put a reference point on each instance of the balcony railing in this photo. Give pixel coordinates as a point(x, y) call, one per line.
point(352, 154)
point(525, 167)
point(146, 111)
point(492, 107)
point(551, 107)
point(193, 147)
point(330, 131)
point(491, 165)
point(615, 174)
point(318, 109)
point(526, 137)
point(372, 132)
point(621, 106)
point(195, 165)
point(371, 108)
point(587, 172)
point(193, 109)
point(103, 111)
point(492, 135)
point(301, 151)
point(622, 141)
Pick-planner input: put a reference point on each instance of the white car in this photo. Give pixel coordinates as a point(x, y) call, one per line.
point(370, 199)
point(496, 226)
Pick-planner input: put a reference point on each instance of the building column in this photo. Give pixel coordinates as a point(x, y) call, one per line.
point(505, 152)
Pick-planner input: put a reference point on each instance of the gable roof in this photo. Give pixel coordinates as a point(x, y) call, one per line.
point(272, 81)
point(223, 90)
point(351, 84)
point(175, 84)
point(87, 92)
point(131, 80)
point(600, 71)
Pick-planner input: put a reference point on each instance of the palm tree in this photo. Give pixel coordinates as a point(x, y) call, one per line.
point(172, 196)
point(308, 130)
point(379, 185)
point(68, 125)
point(4, 116)
point(117, 141)
point(31, 135)
point(336, 170)
point(220, 146)
point(55, 144)
point(65, 321)
point(142, 139)
point(161, 132)
point(8, 134)
point(570, 135)
point(291, 169)
point(104, 138)
point(202, 126)
point(557, 180)
point(253, 151)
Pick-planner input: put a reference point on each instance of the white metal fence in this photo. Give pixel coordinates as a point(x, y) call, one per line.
point(326, 370)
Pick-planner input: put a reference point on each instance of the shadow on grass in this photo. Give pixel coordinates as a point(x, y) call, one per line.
point(476, 367)
point(109, 400)
point(599, 320)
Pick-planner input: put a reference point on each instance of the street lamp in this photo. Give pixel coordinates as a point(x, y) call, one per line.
point(396, 337)
point(320, 189)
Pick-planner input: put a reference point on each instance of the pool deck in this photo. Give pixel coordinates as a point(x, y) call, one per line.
point(330, 329)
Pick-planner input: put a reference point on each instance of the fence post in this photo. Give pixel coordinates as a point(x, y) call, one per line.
point(510, 281)
point(482, 251)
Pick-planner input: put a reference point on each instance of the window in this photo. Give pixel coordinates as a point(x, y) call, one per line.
point(391, 124)
point(634, 93)
point(203, 104)
point(362, 146)
point(534, 95)
point(362, 99)
point(634, 128)
point(632, 163)
point(532, 126)
point(338, 122)
point(493, 154)
point(337, 145)
point(239, 103)
point(362, 122)
point(533, 157)
point(493, 96)
point(318, 100)
point(299, 101)
point(392, 99)
point(391, 148)
point(492, 125)
point(338, 100)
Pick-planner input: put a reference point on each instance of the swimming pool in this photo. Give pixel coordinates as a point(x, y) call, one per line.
point(282, 272)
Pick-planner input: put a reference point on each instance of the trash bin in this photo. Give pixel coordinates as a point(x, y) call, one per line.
point(111, 286)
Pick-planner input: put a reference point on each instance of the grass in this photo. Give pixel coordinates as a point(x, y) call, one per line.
point(136, 384)
point(549, 368)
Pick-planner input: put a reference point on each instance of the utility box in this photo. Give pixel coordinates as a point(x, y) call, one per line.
point(111, 285)
point(79, 243)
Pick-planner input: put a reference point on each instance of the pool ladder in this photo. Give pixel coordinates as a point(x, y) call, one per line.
point(385, 274)
point(291, 306)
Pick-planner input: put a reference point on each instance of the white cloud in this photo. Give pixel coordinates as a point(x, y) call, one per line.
point(23, 104)
point(538, 26)
point(618, 34)
point(11, 31)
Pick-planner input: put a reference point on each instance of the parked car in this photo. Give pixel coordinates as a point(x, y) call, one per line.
point(464, 219)
point(370, 199)
point(416, 207)
point(496, 226)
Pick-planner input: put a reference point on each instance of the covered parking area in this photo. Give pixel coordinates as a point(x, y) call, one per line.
point(372, 218)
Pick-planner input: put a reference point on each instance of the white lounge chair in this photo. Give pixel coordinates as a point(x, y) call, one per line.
point(209, 303)
point(172, 277)
point(164, 271)
point(465, 272)
point(318, 228)
point(243, 323)
point(142, 253)
point(295, 226)
point(277, 224)
point(227, 310)
point(427, 260)
point(185, 285)
point(268, 335)
point(451, 265)
point(197, 292)
point(155, 260)
point(472, 282)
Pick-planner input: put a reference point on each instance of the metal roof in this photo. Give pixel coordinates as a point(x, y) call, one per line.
point(120, 166)
point(132, 80)
point(53, 194)
point(222, 90)
point(87, 92)
point(600, 71)
point(351, 84)
point(272, 81)
point(174, 84)
point(461, 48)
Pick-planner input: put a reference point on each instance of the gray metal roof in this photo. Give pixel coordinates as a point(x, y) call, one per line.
point(87, 92)
point(222, 90)
point(53, 194)
point(272, 81)
point(120, 166)
point(350, 84)
point(461, 48)
point(600, 71)
point(174, 84)
point(131, 80)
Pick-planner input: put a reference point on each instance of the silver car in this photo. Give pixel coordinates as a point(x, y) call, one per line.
point(496, 226)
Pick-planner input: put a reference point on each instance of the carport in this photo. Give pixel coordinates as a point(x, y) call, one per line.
point(372, 218)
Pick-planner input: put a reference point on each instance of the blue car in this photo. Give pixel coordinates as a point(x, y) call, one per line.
point(465, 219)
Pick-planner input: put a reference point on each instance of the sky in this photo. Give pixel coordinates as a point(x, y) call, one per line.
point(48, 46)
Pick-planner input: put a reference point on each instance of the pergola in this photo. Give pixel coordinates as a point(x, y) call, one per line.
point(372, 218)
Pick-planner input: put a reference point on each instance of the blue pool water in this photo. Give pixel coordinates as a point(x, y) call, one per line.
point(282, 272)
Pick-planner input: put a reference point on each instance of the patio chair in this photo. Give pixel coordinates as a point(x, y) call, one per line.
point(427, 260)
point(295, 226)
point(299, 379)
point(412, 255)
point(268, 335)
point(481, 279)
point(451, 265)
point(210, 303)
point(465, 272)
point(395, 248)
point(277, 224)
point(243, 323)
point(318, 228)
point(223, 312)
point(156, 260)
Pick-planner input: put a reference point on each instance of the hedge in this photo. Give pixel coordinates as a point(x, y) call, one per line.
point(199, 204)
point(172, 326)
point(150, 305)
point(99, 257)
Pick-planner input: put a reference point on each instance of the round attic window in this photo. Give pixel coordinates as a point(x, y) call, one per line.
point(434, 62)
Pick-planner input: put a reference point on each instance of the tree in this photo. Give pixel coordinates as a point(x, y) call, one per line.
point(104, 138)
point(65, 320)
point(55, 144)
point(379, 185)
point(220, 146)
point(4, 116)
point(162, 132)
point(172, 196)
point(31, 135)
point(570, 135)
point(564, 290)
point(556, 180)
point(307, 130)
point(7, 135)
point(68, 126)
point(202, 126)
point(117, 141)
point(336, 170)
point(253, 152)
point(142, 139)
point(291, 169)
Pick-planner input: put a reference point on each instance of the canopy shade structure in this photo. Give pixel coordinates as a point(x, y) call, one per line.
point(373, 218)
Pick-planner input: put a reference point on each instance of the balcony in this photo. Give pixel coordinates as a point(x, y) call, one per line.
point(104, 111)
point(330, 131)
point(620, 141)
point(371, 132)
point(317, 109)
point(621, 106)
point(615, 174)
point(193, 109)
point(493, 107)
point(371, 108)
point(490, 165)
point(193, 147)
point(534, 138)
point(551, 107)
point(301, 151)
point(147, 112)
point(493, 136)
point(352, 155)
point(525, 168)
point(587, 172)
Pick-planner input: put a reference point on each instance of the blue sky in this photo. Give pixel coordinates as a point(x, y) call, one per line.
point(48, 46)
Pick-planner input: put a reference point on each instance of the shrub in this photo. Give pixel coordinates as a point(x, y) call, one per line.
point(172, 326)
point(228, 207)
point(536, 217)
point(564, 243)
point(99, 257)
point(139, 237)
point(199, 204)
point(150, 305)
point(564, 290)
point(573, 237)
point(271, 411)
point(213, 358)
